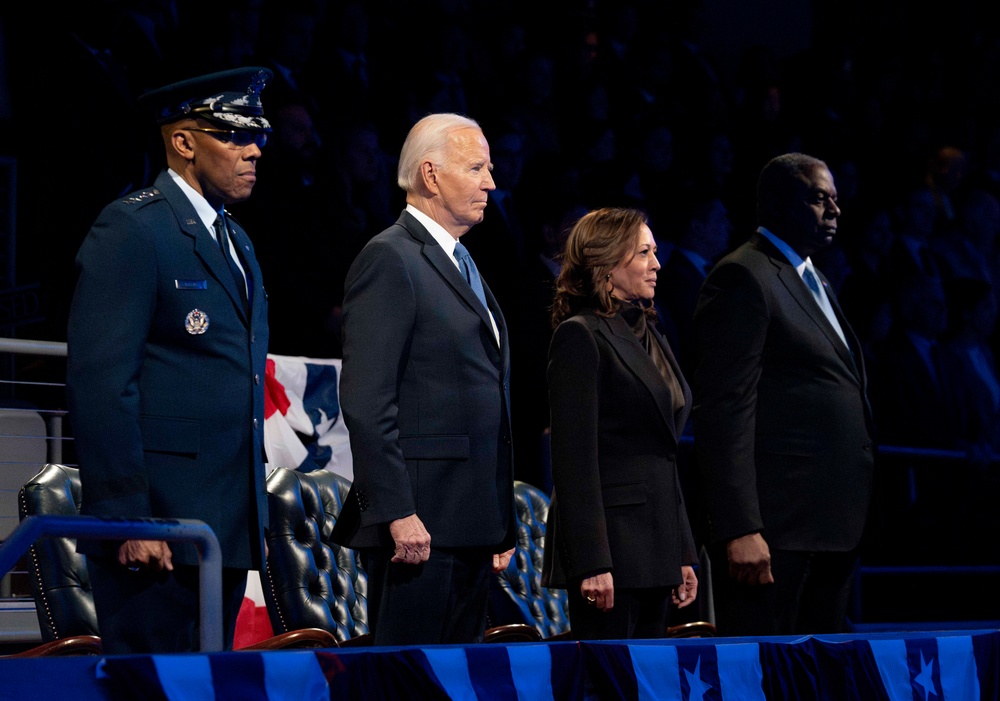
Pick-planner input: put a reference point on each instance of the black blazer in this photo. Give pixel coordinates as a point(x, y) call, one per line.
point(617, 503)
point(168, 415)
point(782, 425)
point(425, 394)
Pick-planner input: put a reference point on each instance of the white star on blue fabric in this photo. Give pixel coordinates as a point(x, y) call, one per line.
point(926, 677)
point(698, 687)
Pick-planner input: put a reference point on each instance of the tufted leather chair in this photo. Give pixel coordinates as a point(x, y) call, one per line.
point(60, 583)
point(518, 594)
point(58, 574)
point(311, 582)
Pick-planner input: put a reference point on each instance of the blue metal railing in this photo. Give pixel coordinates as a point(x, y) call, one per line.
point(209, 553)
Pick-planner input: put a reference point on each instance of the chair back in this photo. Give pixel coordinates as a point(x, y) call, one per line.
point(518, 595)
point(60, 584)
point(310, 581)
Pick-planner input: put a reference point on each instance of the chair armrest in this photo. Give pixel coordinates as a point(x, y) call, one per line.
point(513, 633)
point(296, 640)
point(66, 647)
point(694, 629)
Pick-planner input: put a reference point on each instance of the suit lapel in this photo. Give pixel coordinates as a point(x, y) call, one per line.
point(636, 359)
point(441, 262)
point(793, 283)
point(251, 269)
point(500, 321)
point(681, 380)
point(205, 246)
point(855, 357)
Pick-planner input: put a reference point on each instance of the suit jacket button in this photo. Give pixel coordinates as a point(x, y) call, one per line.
point(256, 378)
point(255, 424)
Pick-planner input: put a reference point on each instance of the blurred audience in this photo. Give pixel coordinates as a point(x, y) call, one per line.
point(702, 236)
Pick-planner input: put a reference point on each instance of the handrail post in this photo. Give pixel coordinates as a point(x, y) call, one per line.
point(190, 530)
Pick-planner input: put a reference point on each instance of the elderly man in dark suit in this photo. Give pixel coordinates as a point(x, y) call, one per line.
point(782, 423)
point(167, 349)
point(425, 394)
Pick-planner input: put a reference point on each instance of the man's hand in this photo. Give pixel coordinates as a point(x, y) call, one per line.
point(413, 542)
point(685, 594)
point(599, 591)
point(152, 555)
point(750, 560)
point(501, 560)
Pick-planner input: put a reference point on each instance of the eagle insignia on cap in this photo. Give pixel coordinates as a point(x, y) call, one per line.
point(257, 83)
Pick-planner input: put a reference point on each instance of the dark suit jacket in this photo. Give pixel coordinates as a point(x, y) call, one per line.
point(617, 503)
point(425, 394)
point(782, 425)
point(169, 422)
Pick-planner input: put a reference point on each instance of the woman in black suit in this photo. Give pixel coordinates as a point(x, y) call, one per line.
point(618, 537)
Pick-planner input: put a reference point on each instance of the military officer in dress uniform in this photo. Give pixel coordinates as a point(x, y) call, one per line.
point(167, 344)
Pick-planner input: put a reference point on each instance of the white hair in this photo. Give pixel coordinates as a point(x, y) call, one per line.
point(428, 140)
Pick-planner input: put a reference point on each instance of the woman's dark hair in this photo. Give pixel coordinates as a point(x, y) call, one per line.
point(600, 241)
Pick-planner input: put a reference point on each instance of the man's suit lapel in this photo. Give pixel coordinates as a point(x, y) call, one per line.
point(854, 359)
point(500, 321)
point(205, 246)
point(790, 279)
point(635, 357)
point(441, 262)
point(251, 268)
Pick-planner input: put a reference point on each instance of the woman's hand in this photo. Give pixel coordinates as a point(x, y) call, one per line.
point(685, 594)
point(599, 591)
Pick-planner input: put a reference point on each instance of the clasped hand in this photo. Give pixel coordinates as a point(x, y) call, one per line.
point(750, 560)
point(413, 542)
point(687, 592)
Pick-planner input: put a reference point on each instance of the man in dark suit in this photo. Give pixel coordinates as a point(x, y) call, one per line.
point(425, 394)
point(167, 349)
point(782, 423)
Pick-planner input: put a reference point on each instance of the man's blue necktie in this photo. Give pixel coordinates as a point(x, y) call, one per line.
point(468, 268)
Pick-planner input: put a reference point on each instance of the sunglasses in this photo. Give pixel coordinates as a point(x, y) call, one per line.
point(239, 138)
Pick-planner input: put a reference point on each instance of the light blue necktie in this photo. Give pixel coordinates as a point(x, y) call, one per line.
point(468, 268)
point(809, 277)
point(813, 284)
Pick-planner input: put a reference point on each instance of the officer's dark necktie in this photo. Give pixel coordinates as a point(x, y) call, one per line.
point(222, 236)
point(471, 273)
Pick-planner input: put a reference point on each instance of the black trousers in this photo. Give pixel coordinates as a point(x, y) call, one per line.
point(442, 600)
point(811, 594)
point(145, 612)
point(637, 613)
